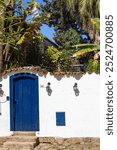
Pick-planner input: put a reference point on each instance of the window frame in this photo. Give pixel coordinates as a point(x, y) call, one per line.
point(60, 119)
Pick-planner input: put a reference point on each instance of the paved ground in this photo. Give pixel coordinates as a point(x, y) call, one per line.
point(66, 144)
point(70, 144)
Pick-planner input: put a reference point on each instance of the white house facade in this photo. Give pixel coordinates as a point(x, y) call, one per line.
point(63, 106)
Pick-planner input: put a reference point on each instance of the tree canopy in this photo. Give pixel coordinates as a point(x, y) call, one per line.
point(76, 24)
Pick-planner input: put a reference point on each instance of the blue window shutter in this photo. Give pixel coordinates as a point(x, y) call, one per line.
point(60, 118)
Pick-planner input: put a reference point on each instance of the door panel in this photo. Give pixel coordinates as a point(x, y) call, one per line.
point(24, 102)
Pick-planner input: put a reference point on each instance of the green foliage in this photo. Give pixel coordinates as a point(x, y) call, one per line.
point(88, 52)
point(65, 61)
point(53, 54)
point(16, 31)
point(96, 23)
point(72, 13)
point(66, 39)
point(21, 40)
point(89, 8)
point(30, 35)
point(60, 17)
point(93, 66)
point(86, 9)
point(85, 48)
point(2, 4)
point(58, 59)
point(5, 3)
point(72, 19)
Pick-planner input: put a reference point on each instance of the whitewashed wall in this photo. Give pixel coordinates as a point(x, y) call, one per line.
point(82, 112)
point(5, 109)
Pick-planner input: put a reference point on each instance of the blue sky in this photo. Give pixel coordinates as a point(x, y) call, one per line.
point(47, 31)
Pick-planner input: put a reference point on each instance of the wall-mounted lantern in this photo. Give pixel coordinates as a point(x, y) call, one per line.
point(1, 91)
point(48, 89)
point(75, 88)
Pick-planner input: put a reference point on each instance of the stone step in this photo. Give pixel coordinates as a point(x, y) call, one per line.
point(2, 148)
point(18, 138)
point(20, 149)
point(2, 140)
point(19, 145)
point(19, 133)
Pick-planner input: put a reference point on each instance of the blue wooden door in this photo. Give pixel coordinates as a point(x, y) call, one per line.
point(24, 105)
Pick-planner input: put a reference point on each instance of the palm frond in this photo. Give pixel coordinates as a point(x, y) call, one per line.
point(85, 48)
point(2, 4)
point(96, 23)
point(71, 3)
point(83, 6)
point(93, 66)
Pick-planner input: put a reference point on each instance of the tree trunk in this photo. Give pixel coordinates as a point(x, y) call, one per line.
point(58, 67)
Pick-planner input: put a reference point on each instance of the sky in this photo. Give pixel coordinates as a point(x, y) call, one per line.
point(47, 31)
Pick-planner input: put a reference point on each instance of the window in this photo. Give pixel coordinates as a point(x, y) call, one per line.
point(60, 118)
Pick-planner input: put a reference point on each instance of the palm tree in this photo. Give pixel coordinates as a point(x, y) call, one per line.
point(88, 15)
point(83, 49)
point(87, 10)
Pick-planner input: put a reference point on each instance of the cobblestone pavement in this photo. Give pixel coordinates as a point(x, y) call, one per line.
point(65, 143)
point(69, 144)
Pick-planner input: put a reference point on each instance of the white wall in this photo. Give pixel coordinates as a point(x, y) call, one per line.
point(5, 110)
point(82, 112)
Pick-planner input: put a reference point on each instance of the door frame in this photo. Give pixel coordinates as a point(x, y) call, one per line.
point(12, 79)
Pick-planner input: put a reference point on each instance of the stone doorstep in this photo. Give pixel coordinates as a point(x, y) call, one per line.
point(19, 145)
point(21, 141)
point(3, 139)
point(2, 148)
point(19, 133)
point(22, 138)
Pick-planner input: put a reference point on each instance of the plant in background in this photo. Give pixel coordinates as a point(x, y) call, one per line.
point(71, 19)
point(16, 30)
point(84, 49)
point(65, 39)
point(81, 18)
point(93, 66)
point(65, 60)
point(54, 55)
